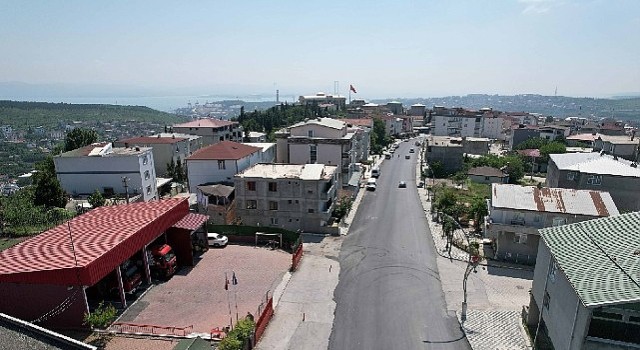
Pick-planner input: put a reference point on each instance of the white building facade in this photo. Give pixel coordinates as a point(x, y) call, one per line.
point(220, 162)
point(109, 170)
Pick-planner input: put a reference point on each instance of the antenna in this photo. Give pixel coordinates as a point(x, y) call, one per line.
point(336, 87)
point(277, 96)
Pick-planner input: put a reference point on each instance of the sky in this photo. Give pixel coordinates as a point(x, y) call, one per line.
point(419, 48)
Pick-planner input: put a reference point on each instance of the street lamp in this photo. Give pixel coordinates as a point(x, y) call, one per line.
point(473, 260)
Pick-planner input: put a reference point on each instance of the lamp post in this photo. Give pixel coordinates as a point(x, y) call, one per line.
point(473, 260)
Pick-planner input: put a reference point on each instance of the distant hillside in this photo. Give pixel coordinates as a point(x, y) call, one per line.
point(22, 115)
point(559, 106)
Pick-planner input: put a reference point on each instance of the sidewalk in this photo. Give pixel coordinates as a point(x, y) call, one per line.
point(494, 299)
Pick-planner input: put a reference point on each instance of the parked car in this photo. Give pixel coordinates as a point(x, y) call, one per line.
point(217, 240)
point(402, 184)
point(407, 157)
point(411, 150)
point(420, 184)
point(371, 184)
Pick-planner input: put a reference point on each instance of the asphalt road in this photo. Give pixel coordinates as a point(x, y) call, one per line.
point(389, 294)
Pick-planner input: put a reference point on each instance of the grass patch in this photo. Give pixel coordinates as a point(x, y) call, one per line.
point(6, 243)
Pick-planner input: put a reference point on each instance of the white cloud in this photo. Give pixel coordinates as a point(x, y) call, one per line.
point(538, 6)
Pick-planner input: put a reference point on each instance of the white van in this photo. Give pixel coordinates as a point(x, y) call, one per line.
point(375, 172)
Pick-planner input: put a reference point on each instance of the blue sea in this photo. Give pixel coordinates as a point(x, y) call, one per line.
point(161, 103)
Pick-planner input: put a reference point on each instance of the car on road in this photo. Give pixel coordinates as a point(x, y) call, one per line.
point(411, 150)
point(402, 184)
point(217, 240)
point(407, 157)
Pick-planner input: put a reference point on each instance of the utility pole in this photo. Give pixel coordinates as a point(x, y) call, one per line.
point(125, 181)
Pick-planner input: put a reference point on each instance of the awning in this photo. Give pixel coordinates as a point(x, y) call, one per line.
point(191, 222)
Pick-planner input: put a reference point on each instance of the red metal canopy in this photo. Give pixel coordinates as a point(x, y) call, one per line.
point(191, 222)
point(102, 239)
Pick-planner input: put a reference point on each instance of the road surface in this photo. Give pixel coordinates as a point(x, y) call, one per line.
point(389, 294)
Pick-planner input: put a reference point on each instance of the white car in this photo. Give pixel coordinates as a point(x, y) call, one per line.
point(217, 240)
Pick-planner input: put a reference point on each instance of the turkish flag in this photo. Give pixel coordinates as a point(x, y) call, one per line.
point(352, 89)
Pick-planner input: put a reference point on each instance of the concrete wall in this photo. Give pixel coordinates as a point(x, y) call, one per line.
point(164, 152)
point(451, 157)
point(282, 150)
point(493, 128)
point(211, 135)
point(487, 179)
point(566, 318)
point(518, 136)
point(83, 175)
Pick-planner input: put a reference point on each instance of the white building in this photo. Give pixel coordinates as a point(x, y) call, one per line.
point(102, 167)
point(165, 149)
point(267, 153)
point(320, 140)
point(211, 130)
point(218, 163)
point(321, 98)
point(294, 197)
point(585, 292)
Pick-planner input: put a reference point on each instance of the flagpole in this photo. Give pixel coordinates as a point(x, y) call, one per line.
point(235, 295)
point(226, 286)
point(349, 94)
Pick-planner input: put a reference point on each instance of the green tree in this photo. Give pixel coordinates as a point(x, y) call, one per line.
point(554, 147)
point(478, 210)
point(79, 137)
point(96, 199)
point(240, 333)
point(379, 138)
point(101, 317)
point(48, 190)
point(180, 173)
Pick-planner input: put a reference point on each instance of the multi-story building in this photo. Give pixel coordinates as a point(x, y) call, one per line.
point(450, 151)
point(165, 149)
point(211, 130)
point(585, 292)
point(218, 163)
point(516, 213)
point(123, 171)
point(457, 122)
point(195, 141)
point(597, 171)
point(320, 140)
point(294, 197)
point(321, 98)
point(618, 146)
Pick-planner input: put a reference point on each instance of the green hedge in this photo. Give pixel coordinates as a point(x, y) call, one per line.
point(289, 238)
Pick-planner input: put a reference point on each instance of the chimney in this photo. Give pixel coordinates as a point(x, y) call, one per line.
point(126, 145)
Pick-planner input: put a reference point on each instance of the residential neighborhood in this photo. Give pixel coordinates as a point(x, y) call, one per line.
point(500, 192)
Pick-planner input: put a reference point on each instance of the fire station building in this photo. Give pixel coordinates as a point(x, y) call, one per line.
point(56, 277)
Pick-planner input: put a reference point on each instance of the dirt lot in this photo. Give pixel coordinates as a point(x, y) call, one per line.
point(197, 296)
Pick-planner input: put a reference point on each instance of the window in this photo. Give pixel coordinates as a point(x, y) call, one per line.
point(310, 133)
point(520, 238)
point(559, 221)
point(273, 186)
point(274, 221)
point(273, 205)
point(571, 175)
point(252, 204)
point(147, 175)
point(145, 159)
point(221, 165)
point(251, 185)
point(594, 180)
point(149, 190)
point(313, 154)
point(310, 211)
point(290, 201)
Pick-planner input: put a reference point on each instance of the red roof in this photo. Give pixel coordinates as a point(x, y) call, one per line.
point(152, 140)
point(224, 150)
point(102, 239)
point(359, 122)
point(205, 123)
point(191, 222)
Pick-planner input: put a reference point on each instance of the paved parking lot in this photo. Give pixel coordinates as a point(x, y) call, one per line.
point(196, 296)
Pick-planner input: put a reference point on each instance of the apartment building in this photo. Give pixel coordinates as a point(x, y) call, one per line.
point(291, 196)
point(211, 130)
